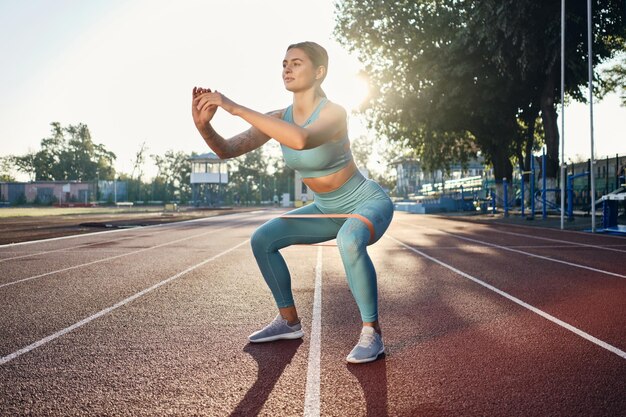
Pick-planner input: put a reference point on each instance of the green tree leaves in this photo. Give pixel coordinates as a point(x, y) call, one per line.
point(616, 78)
point(454, 76)
point(6, 166)
point(69, 153)
point(174, 175)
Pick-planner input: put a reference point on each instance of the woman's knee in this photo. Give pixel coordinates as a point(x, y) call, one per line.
point(262, 239)
point(352, 239)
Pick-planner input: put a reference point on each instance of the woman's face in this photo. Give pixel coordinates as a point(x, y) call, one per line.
point(298, 71)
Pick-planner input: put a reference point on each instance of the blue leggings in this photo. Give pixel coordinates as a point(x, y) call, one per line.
point(357, 196)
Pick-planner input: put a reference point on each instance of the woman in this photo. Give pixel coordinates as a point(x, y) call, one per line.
point(313, 134)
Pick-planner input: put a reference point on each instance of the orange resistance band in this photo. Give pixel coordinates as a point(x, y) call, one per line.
point(364, 219)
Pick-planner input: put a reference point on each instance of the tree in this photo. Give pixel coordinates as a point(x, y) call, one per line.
point(68, 154)
point(524, 42)
point(615, 78)
point(249, 176)
point(454, 76)
point(280, 178)
point(25, 164)
point(6, 174)
point(136, 187)
point(174, 175)
point(430, 87)
point(140, 159)
point(362, 150)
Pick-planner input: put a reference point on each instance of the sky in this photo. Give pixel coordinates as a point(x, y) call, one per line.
point(125, 68)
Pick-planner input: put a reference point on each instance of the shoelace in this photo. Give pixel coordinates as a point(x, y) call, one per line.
point(366, 340)
point(277, 322)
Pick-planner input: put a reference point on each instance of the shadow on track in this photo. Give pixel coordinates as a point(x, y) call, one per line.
point(373, 380)
point(271, 359)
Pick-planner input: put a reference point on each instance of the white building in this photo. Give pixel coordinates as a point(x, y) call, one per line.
point(209, 175)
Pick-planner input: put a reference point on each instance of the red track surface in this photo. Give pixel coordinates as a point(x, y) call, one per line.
point(477, 320)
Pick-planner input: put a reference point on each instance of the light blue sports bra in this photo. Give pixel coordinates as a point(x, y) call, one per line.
point(323, 160)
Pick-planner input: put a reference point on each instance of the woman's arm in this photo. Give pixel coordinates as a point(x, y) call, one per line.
point(239, 144)
point(331, 123)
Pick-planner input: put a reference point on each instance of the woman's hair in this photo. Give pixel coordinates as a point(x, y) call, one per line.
point(318, 55)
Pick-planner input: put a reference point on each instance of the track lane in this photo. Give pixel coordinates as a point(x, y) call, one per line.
point(596, 259)
point(67, 242)
point(39, 266)
point(34, 309)
point(516, 300)
point(585, 299)
point(454, 348)
point(7, 255)
point(29, 314)
point(180, 349)
point(573, 236)
point(604, 246)
point(105, 311)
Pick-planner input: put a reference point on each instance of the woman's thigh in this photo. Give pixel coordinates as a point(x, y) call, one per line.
point(281, 232)
point(379, 212)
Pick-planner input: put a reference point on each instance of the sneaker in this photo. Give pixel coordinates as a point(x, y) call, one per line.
point(368, 349)
point(277, 329)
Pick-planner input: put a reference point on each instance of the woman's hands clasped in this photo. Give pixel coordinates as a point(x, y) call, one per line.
point(205, 103)
point(201, 116)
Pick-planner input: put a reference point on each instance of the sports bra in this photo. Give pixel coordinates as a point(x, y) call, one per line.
point(322, 160)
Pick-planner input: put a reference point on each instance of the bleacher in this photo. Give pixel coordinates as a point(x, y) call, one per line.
point(454, 195)
point(610, 210)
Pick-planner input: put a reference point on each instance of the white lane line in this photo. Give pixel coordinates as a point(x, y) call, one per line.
point(84, 245)
point(538, 227)
point(516, 300)
point(30, 242)
point(312, 395)
point(107, 310)
point(163, 226)
point(546, 258)
point(511, 246)
point(118, 256)
point(586, 245)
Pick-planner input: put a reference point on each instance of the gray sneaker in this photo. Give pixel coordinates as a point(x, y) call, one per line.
point(277, 329)
point(368, 349)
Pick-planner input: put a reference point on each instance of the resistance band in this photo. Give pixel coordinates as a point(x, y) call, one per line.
point(364, 219)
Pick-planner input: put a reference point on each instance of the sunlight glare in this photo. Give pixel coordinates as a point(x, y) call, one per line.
point(353, 93)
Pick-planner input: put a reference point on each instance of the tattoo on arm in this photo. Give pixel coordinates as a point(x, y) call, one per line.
point(246, 141)
point(239, 144)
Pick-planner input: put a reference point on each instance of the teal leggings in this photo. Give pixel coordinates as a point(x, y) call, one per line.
point(357, 196)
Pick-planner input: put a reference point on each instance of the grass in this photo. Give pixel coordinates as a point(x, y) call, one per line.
point(63, 211)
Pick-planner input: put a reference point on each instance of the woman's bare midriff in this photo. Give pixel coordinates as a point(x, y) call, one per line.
point(333, 181)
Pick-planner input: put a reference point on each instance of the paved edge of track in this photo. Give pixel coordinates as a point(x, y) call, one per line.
point(30, 242)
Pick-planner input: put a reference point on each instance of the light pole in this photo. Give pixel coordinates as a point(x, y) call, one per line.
point(590, 70)
point(563, 166)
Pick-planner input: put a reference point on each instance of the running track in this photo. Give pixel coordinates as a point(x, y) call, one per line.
point(478, 320)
